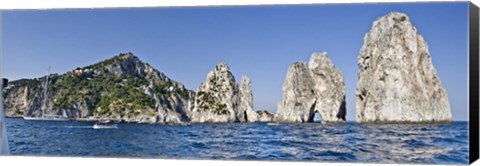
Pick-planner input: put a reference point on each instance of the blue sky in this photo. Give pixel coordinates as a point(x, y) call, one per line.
point(259, 41)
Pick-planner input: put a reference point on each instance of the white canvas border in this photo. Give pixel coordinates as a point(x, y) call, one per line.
point(63, 4)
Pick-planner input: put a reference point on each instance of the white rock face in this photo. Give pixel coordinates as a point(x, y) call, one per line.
point(17, 101)
point(316, 87)
point(245, 111)
point(396, 80)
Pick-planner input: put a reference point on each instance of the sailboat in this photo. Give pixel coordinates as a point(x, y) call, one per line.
point(64, 116)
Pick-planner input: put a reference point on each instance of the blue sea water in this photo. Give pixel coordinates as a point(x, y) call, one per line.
point(349, 142)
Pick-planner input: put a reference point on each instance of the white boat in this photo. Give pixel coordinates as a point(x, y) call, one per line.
point(272, 124)
point(64, 116)
point(104, 126)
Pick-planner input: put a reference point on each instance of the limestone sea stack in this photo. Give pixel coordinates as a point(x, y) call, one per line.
point(245, 111)
point(221, 100)
point(316, 87)
point(396, 79)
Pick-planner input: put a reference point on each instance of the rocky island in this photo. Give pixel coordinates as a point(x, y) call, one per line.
point(316, 87)
point(396, 79)
point(122, 88)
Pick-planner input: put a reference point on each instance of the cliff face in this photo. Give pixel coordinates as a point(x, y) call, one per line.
point(316, 87)
point(122, 88)
point(23, 100)
point(221, 100)
point(396, 80)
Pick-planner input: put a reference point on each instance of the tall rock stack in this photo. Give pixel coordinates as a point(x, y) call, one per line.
point(316, 87)
point(245, 111)
point(396, 80)
point(220, 99)
point(298, 96)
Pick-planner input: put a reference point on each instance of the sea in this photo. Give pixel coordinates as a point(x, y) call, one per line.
point(316, 142)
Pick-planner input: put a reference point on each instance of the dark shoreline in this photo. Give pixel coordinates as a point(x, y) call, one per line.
point(280, 123)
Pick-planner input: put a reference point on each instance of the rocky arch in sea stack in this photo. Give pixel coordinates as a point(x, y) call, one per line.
point(310, 88)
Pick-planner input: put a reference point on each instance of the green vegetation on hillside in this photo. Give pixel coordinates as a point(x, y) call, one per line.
point(106, 94)
point(207, 101)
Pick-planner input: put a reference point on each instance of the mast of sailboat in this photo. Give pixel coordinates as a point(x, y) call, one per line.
point(44, 106)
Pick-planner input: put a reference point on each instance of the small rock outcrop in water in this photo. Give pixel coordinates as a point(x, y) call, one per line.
point(396, 79)
point(220, 99)
point(316, 87)
point(264, 116)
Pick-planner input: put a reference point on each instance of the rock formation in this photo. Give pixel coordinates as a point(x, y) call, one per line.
point(396, 79)
point(221, 100)
point(216, 99)
point(264, 116)
point(245, 110)
point(316, 87)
